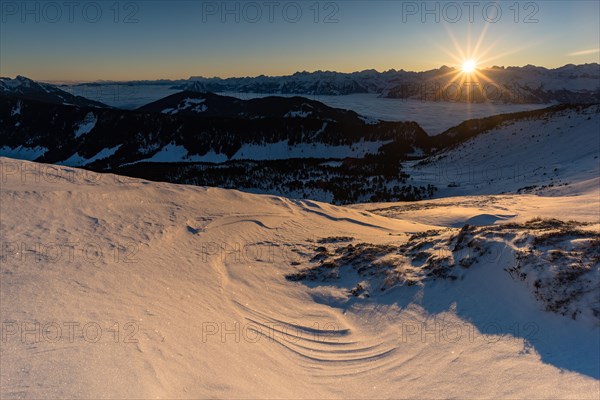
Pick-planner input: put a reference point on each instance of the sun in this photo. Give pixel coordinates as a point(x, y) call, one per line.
point(469, 66)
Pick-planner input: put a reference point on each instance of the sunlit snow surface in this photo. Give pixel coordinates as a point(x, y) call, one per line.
point(189, 289)
point(114, 287)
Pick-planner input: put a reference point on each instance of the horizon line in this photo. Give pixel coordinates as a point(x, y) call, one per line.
point(67, 81)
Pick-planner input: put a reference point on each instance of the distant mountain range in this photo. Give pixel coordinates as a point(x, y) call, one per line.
point(511, 85)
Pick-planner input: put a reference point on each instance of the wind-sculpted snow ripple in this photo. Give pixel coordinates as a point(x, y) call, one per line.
point(320, 346)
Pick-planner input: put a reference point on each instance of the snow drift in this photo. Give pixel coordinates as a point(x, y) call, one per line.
point(115, 287)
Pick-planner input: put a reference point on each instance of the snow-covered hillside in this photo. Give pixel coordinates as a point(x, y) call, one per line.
point(25, 88)
point(519, 152)
point(526, 155)
point(274, 144)
point(114, 287)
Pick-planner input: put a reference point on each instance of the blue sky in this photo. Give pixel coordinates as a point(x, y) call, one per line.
point(122, 40)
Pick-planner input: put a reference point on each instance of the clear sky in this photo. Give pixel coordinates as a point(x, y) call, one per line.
point(125, 40)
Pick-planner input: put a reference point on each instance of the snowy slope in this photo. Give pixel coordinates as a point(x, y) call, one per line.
point(198, 282)
point(25, 88)
point(531, 154)
point(259, 152)
point(528, 152)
